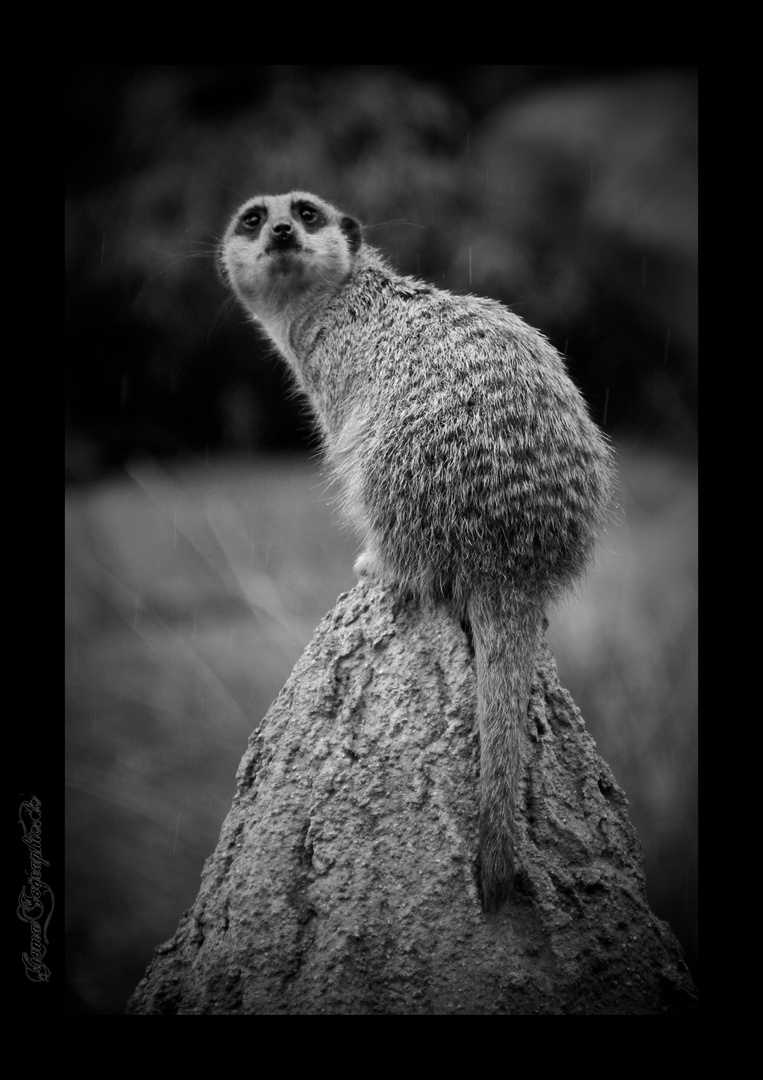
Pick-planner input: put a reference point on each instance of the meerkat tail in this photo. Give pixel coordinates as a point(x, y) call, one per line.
point(506, 635)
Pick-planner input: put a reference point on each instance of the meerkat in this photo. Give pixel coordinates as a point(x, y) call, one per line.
point(466, 456)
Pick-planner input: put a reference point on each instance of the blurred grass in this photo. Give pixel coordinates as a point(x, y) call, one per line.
point(192, 591)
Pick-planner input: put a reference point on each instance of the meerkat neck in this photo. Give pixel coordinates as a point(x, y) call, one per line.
point(287, 304)
point(289, 309)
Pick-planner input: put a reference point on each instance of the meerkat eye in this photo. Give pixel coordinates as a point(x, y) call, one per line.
point(251, 220)
point(308, 215)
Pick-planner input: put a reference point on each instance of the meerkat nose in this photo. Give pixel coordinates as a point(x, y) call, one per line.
point(282, 231)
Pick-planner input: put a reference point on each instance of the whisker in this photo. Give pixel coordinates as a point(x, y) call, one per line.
point(394, 221)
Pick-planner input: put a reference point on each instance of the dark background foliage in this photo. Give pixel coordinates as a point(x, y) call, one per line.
point(568, 194)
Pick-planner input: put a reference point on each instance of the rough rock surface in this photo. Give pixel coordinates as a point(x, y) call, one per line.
point(345, 882)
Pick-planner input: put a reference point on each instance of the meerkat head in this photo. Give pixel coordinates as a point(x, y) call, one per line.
point(286, 250)
point(284, 254)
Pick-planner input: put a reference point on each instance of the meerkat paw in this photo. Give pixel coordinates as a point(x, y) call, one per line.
point(367, 565)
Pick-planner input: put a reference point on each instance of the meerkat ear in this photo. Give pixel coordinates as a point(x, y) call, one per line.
point(351, 229)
